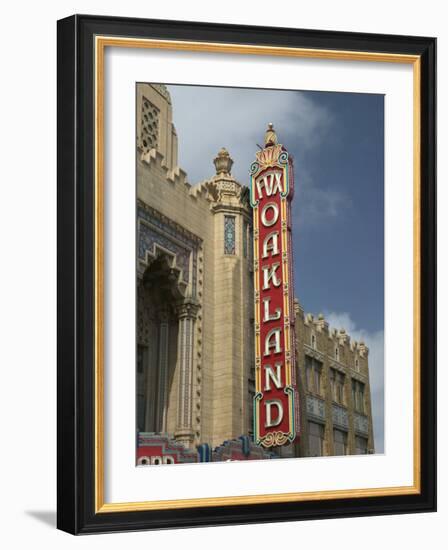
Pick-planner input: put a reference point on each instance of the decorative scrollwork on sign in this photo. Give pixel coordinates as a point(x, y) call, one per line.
point(269, 156)
point(274, 439)
point(254, 167)
point(283, 157)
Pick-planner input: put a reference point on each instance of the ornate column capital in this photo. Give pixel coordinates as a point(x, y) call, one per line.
point(188, 308)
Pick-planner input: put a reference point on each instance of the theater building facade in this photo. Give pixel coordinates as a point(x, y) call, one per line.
point(196, 324)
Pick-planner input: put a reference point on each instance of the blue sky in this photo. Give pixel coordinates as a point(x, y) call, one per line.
point(337, 142)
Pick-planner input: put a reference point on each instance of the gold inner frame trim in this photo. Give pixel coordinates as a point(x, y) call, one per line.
point(101, 42)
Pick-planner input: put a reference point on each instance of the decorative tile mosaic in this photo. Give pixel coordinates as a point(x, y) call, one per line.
point(315, 407)
point(229, 234)
point(340, 417)
point(154, 229)
point(361, 423)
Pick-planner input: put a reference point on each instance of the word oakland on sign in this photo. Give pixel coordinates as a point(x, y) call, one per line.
point(276, 420)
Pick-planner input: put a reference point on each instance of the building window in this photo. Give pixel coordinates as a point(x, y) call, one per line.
point(340, 442)
point(317, 379)
point(358, 390)
point(313, 370)
point(357, 365)
point(360, 445)
point(315, 439)
point(313, 341)
point(229, 234)
point(149, 133)
point(337, 384)
point(309, 373)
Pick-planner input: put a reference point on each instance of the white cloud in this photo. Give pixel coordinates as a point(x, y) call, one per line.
point(208, 118)
point(313, 204)
point(375, 343)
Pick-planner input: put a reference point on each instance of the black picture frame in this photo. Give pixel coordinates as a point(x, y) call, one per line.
point(76, 474)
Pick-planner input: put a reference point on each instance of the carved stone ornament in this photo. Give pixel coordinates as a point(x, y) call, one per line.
point(223, 162)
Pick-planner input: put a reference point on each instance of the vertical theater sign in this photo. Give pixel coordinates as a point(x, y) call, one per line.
point(276, 408)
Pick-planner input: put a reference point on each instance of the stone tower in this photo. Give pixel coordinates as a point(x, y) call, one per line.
point(233, 309)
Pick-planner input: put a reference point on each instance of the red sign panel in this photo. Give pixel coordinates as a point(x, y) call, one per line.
point(276, 399)
point(155, 449)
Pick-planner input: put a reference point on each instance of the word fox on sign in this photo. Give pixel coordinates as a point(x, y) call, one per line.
point(276, 420)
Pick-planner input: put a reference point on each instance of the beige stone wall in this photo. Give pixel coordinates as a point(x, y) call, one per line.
point(233, 341)
point(159, 98)
point(317, 340)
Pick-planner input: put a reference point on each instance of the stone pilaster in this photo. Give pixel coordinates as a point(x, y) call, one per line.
point(162, 368)
point(187, 311)
point(151, 373)
point(351, 414)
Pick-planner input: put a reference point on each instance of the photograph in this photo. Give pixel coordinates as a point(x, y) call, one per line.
point(259, 274)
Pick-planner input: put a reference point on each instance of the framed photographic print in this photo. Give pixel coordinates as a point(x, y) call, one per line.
point(246, 274)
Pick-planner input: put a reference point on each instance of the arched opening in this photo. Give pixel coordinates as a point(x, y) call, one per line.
point(157, 296)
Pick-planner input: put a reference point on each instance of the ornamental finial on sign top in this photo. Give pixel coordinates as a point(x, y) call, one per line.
point(270, 137)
